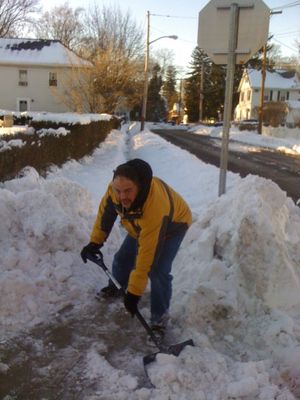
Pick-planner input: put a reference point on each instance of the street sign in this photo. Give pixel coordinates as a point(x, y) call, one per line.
point(214, 29)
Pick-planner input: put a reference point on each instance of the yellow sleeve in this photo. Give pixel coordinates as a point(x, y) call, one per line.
point(105, 219)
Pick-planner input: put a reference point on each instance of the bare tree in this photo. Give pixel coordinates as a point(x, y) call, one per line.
point(61, 23)
point(77, 91)
point(108, 28)
point(15, 14)
point(118, 79)
point(110, 82)
point(164, 57)
point(113, 44)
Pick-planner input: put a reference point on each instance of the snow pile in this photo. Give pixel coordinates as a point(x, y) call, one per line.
point(237, 285)
point(287, 141)
point(61, 131)
point(67, 118)
point(10, 144)
point(13, 130)
point(43, 226)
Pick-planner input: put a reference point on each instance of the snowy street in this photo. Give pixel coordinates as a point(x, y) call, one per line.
point(236, 286)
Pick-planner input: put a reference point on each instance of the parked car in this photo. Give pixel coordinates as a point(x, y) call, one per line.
point(248, 124)
point(218, 123)
point(249, 121)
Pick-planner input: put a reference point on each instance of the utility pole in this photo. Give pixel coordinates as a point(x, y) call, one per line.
point(146, 73)
point(146, 69)
point(262, 89)
point(263, 80)
point(201, 92)
point(180, 97)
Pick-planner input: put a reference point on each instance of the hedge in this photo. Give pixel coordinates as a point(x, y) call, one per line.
point(43, 152)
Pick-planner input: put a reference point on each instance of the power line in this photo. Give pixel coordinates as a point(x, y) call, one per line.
point(179, 38)
point(283, 44)
point(289, 5)
point(173, 16)
point(286, 33)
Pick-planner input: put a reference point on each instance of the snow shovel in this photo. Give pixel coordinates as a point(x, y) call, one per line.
point(174, 349)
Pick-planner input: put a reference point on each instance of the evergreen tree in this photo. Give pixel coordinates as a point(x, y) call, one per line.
point(169, 87)
point(214, 91)
point(213, 87)
point(192, 85)
point(156, 109)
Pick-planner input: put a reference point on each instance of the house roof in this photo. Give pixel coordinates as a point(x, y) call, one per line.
point(274, 80)
point(37, 52)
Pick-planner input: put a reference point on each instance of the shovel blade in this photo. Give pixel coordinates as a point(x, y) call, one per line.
point(174, 349)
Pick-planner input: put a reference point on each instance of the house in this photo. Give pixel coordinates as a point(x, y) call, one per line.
point(33, 74)
point(293, 114)
point(280, 86)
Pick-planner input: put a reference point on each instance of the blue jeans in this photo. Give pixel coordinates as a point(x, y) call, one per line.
point(160, 274)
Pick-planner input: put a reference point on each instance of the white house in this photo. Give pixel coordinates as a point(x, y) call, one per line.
point(279, 86)
point(32, 73)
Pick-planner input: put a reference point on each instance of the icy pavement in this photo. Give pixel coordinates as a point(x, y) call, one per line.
point(76, 356)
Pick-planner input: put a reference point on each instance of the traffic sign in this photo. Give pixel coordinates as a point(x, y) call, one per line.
point(214, 29)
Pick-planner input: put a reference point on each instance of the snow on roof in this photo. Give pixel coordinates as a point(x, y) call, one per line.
point(37, 52)
point(274, 80)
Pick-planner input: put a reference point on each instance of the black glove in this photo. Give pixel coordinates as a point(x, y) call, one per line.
point(131, 302)
point(91, 248)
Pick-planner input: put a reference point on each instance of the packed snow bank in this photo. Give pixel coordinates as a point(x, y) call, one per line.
point(43, 224)
point(237, 285)
point(251, 235)
point(287, 141)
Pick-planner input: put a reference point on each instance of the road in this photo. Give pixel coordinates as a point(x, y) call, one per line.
point(242, 158)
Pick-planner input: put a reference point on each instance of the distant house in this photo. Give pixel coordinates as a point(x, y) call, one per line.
point(293, 114)
point(33, 73)
point(280, 86)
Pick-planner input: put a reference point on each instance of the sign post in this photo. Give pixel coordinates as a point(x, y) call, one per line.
point(238, 34)
point(231, 60)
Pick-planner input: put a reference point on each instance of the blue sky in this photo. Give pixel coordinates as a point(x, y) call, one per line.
point(177, 17)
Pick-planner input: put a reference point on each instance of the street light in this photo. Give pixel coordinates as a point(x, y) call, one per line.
point(146, 70)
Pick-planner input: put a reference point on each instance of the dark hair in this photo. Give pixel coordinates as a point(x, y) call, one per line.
point(140, 172)
point(128, 172)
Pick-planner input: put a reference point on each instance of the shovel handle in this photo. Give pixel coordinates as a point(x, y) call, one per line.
point(97, 258)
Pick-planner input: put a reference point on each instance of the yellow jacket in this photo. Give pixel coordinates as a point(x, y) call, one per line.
point(163, 214)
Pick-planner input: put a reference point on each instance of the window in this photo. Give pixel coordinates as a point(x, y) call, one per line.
point(271, 95)
point(23, 105)
point(287, 95)
point(52, 79)
point(249, 95)
point(23, 77)
point(242, 96)
point(278, 95)
point(266, 97)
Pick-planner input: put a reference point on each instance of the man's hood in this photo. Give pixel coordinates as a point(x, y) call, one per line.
point(144, 174)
